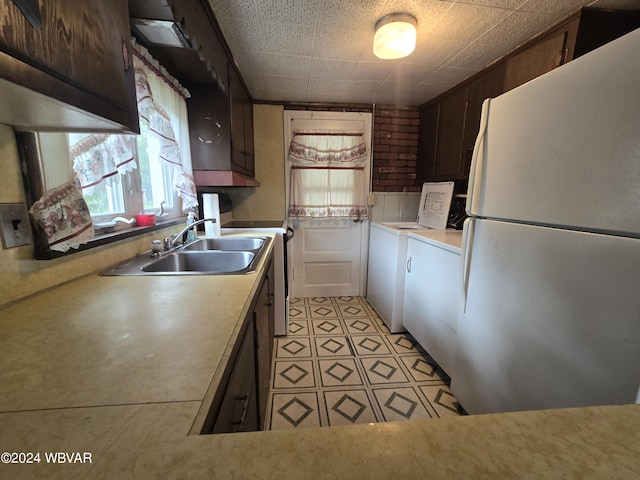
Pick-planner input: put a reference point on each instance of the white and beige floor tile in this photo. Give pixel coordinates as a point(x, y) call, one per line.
point(340, 365)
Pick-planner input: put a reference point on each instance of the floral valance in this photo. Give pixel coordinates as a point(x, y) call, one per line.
point(328, 175)
point(159, 123)
point(101, 157)
point(157, 119)
point(327, 149)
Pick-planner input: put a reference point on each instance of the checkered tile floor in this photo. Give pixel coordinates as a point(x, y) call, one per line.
point(340, 365)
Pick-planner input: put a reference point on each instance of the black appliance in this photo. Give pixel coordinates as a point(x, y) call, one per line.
point(457, 214)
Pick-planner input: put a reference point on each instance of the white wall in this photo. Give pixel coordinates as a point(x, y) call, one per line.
point(395, 207)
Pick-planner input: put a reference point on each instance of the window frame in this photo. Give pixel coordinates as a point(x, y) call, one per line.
point(36, 181)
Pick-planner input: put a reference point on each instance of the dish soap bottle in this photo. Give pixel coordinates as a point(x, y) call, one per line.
point(191, 233)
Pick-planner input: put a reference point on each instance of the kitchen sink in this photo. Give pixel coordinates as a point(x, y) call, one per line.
point(207, 261)
point(205, 256)
point(226, 243)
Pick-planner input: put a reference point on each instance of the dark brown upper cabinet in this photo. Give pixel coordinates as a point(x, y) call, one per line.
point(576, 35)
point(209, 127)
point(440, 148)
point(220, 108)
point(242, 156)
point(487, 85)
point(73, 72)
point(449, 123)
point(449, 126)
point(221, 134)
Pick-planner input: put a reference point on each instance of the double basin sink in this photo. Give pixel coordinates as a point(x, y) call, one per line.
point(205, 256)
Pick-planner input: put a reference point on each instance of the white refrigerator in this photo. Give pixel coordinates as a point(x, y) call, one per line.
point(551, 251)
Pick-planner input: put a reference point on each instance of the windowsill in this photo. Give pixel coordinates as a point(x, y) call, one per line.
point(105, 239)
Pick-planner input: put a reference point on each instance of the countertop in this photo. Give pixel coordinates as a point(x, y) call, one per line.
point(448, 239)
point(117, 369)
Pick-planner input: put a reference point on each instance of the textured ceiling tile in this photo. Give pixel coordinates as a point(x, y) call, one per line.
point(372, 71)
point(280, 85)
point(303, 14)
point(394, 90)
point(435, 51)
point(477, 56)
point(287, 65)
point(426, 90)
point(228, 14)
point(561, 8)
point(411, 73)
point(234, 9)
point(506, 4)
point(426, 12)
point(465, 23)
point(305, 50)
point(516, 29)
point(350, 14)
point(358, 92)
point(288, 39)
point(338, 44)
point(326, 69)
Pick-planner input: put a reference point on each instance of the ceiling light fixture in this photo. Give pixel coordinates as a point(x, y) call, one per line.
point(395, 36)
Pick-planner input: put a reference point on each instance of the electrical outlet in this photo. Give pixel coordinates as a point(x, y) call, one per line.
point(14, 225)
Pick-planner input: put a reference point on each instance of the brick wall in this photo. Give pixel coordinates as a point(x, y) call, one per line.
point(395, 150)
point(395, 146)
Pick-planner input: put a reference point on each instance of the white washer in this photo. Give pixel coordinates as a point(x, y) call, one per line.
point(388, 253)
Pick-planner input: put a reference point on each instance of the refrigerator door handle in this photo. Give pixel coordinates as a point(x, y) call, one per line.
point(465, 259)
point(477, 160)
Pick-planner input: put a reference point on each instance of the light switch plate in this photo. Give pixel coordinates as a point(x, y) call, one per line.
point(14, 225)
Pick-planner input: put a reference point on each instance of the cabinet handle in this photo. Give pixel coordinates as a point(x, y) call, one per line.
point(245, 407)
point(126, 56)
point(409, 265)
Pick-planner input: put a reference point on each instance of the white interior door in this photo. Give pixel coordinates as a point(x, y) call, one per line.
point(328, 256)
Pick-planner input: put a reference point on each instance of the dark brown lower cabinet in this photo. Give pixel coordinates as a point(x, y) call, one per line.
point(240, 404)
point(263, 317)
point(239, 410)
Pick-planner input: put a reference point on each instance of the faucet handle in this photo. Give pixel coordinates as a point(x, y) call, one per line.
point(156, 247)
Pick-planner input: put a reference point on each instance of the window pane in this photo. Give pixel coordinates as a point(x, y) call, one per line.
point(156, 174)
point(105, 199)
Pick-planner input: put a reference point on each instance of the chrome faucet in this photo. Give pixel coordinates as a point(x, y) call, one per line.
point(158, 248)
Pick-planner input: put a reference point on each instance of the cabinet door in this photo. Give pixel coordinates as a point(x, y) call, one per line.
point(488, 85)
point(427, 141)
point(431, 300)
point(249, 162)
point(239, 412)
point(238, 102)
point(263, 315)
point(80, 55)
point(549, 52)
point(453, 110)
point(440, 155)
point(209, 129)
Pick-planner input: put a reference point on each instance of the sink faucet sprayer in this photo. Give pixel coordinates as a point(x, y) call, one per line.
point(158, 247)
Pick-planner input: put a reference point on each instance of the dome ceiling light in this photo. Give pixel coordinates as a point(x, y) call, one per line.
point(395, 36)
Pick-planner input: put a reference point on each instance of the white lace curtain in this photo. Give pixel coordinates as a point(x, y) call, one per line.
point(327, 174)
point(161, 105)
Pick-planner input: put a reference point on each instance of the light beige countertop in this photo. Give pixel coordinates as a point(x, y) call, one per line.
point(118, 368)
point(448, 239)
